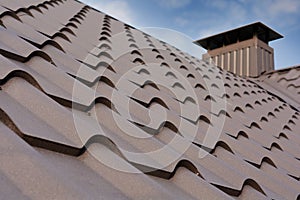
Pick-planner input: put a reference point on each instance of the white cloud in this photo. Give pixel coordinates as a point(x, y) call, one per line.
point(283, 13)
point(173, 3)
point(285, 6)
point(230, 10)
point(119, 9)
point(275, 8)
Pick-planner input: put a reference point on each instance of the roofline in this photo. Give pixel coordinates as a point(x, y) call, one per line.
point(282, 70)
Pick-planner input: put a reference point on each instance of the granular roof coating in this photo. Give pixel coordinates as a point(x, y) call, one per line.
point(92, 108)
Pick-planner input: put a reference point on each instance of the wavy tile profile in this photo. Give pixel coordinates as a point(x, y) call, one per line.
point(91, 107)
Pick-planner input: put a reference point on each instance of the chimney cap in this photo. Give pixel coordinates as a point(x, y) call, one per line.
point(263, 32)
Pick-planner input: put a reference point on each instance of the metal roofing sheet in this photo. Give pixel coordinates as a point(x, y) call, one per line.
point(91, 107)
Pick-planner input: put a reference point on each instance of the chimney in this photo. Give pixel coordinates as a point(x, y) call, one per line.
point(243, 51)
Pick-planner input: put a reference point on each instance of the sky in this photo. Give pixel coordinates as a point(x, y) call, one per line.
point(191, 20)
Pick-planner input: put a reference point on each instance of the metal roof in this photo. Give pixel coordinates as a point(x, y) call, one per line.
point(91, 108)
point(286, 82)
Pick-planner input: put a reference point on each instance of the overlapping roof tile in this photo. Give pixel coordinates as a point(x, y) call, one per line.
point(93, 108)
point(285, 83)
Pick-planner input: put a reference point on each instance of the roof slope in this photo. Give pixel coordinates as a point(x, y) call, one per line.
point(285, 83)
point(93, 108)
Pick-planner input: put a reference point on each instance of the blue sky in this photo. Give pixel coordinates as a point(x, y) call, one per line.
point(200, 18)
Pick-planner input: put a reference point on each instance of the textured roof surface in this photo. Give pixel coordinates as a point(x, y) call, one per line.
point(285, 83)
point(91, 108)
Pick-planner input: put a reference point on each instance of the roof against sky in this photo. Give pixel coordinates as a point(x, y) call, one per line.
point(200, 18)
point(92, 108)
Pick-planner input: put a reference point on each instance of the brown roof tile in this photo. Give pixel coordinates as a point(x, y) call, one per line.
point(284, 83)
point(114, 113)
